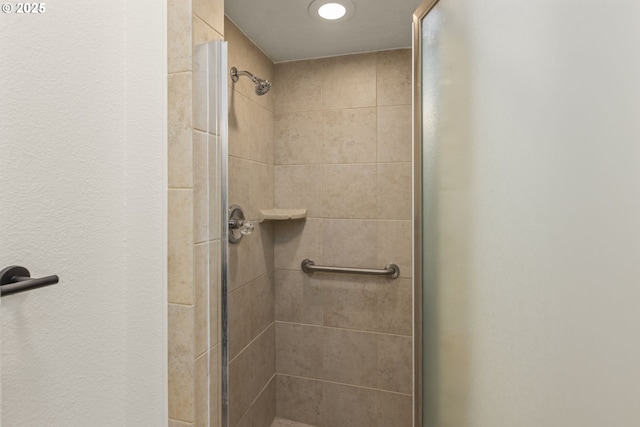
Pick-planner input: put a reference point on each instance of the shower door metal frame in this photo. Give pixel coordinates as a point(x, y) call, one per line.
point(224, 233)
point(418, 16)
point(210, 118)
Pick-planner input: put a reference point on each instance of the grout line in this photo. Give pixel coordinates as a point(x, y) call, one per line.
point(312, 110)
point(251, 281)
point(258, 396)
point(343, 329)
point(254, 161)
point(395, 105)
point(246, 347)
point(181, 304)
point(201, 355)
point(361, 107)
point(273, 378)
point(182, 421)
point(346, 384)
point(251, 99)
point(173, 73)
point(207, 24)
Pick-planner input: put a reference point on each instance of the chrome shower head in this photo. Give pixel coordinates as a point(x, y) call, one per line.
point(262, 86)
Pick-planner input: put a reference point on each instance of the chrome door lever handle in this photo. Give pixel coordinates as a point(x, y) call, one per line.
point(16, 279)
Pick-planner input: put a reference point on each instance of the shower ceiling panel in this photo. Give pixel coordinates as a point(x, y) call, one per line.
point(286, 31)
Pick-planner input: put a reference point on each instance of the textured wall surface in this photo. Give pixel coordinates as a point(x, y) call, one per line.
point(80, 108)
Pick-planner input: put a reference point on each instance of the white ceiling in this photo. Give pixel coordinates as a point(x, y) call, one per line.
point(285, 31)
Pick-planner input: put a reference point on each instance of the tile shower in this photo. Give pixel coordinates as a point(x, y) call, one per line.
point(332, 136)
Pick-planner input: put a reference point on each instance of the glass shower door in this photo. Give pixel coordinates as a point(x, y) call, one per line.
point(441, 199)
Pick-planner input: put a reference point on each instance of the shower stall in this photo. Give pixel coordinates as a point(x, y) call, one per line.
point(306, 237)
point(507, 269)
point(302, 255)
point(287, 182)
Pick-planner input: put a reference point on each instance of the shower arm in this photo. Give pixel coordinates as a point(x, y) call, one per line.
point(235, 75)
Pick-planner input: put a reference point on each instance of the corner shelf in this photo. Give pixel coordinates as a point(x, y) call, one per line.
point(282, 214)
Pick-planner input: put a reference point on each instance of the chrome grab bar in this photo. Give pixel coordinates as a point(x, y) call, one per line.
point(391, 270)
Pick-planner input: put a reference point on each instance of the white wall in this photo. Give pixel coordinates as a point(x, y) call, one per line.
point(83, 143)
point(550, 240)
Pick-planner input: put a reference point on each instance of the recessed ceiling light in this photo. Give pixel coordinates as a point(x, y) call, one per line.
point(331, 10)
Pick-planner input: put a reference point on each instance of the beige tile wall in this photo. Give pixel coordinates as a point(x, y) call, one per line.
point(342, 149)
point(194, 243)
point(252, 343)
